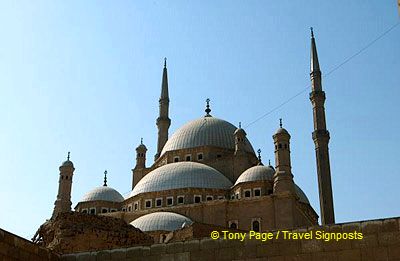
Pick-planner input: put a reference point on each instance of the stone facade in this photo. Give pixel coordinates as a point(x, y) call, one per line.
point(381, 241)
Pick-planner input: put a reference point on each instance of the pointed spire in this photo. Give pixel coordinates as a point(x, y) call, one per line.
point(314, 55)
point(280, 123)
point(259, 157)
point(240, 124)
point(269, 162)
point(164, 84)
point(141, 141)
point(105, 178)
point(208, 110)
point(68, 155)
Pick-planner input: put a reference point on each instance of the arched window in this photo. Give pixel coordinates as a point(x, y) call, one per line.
point(256, 226)
point(233, 225)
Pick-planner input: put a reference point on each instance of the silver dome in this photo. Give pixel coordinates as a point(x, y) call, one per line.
point(181, 175)
point(206, 131)
point(256, 173)
point(103, 193)
point(166, 221)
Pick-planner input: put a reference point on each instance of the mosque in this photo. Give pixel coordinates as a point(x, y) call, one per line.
point(208, 172)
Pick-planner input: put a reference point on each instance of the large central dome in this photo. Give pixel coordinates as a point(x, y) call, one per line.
point(206, 131)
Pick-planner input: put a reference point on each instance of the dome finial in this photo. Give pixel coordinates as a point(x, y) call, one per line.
point(280, 123)
point(165, 62)
point(240, 124)
point(269, 162)
point(312, 32)
point(68, 155)
point(105, 178)
point(141, 141)
point(208, 110)
point(259, 156)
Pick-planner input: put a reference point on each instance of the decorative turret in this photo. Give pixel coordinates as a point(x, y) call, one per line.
point(163, 120)
point(240, 140)
point(283, 178)
point(321, 137)
point(63, 202)
point(141, 155)
point(259, 158)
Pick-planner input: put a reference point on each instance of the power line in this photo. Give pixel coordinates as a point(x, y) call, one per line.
point(326, 75)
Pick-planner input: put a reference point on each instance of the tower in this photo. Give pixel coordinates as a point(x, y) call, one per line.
point(63, 202)
point(240, 141)
point(320, 136)
point(283, 178)
point(163, 121)
point(141, 156)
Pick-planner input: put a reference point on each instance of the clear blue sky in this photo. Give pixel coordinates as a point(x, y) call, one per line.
point(84, 76)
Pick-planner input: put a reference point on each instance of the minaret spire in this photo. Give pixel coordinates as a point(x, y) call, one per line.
point(321, 137)
point(163, 120)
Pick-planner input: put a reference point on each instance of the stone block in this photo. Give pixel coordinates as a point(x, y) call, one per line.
point(380, 253)
point(394, 251)
point(226, 254)
point(349, 255)
point(208, 243)
point(118, 254)
point(351, 227)
point(368, 241)
point(182, 256)
point(389, 238)
point(134, 252)
point(69, 257)
point(203, 255)
point(390, 225)
point(103, 255)
point(192, 245)
point(175, 247)
point(157, 249)
point(325, 256)
point(268, 250)
point(290, 247)
point(371, 227)
point(310, 246)
point(164, 257)
point(87, 256)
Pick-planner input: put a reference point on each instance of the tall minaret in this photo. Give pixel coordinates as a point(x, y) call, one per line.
point(163, 121)
point(321, 139)
point(63, 201)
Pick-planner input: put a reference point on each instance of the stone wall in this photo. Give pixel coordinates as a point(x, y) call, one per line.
point(381, 241)
point(13, 247)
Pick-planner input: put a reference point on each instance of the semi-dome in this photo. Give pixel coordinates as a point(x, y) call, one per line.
point(205, 131)
point(181, 175)
point(103, 193)
point(165, 221)
point(256, 173)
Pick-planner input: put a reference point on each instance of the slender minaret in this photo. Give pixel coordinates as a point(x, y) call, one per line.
point(63, 201)
point(163, 121)
point(321, 139)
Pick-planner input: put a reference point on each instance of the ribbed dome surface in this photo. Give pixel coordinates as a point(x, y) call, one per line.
point(202, 132)
point(156, 221)
point(103, 193)
point(256, 173)
point(181, 175)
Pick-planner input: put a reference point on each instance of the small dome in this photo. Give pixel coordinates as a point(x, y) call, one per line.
point(165, 221)
point(67, 163)
point(302, 196)
point(281, 130)
point(103, 193)
point(206, 131)
point(181, 175)
point(256, 173)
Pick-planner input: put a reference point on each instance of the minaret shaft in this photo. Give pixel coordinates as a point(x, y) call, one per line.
point(321, 139)
point(163, 121)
